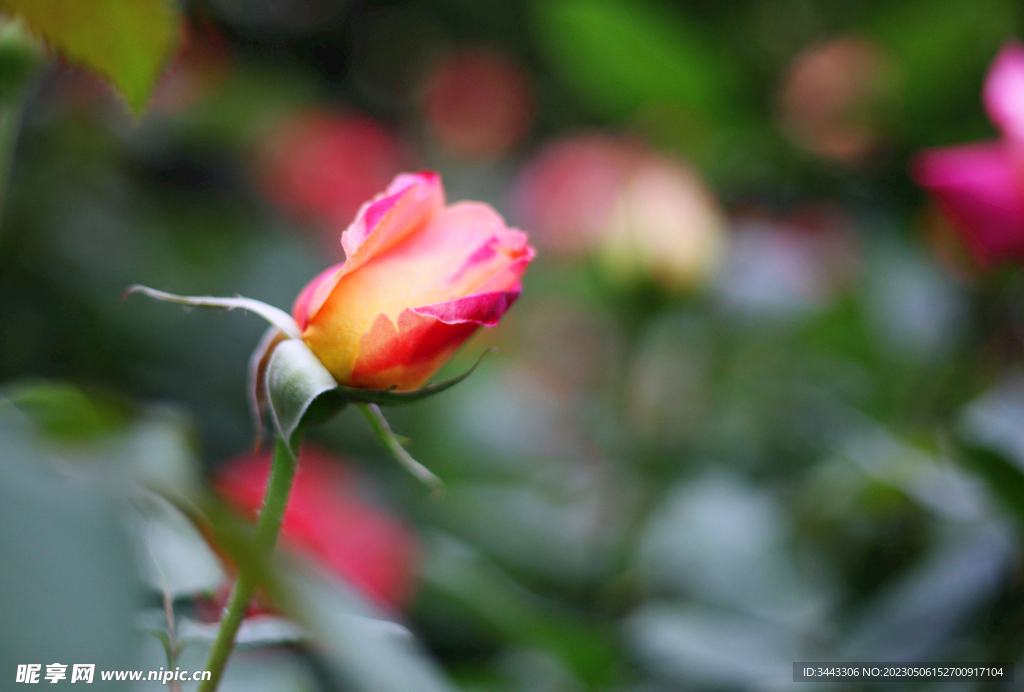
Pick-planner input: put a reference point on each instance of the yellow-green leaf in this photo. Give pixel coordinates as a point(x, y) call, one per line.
point(128, 42)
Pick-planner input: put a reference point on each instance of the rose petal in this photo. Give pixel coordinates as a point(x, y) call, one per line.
point(314, 295)
point(407, 355)
point(483, 308)
point(1003, 94)
point(981, 189)
point(508, 277)
point(410, 200)
point(424, 339)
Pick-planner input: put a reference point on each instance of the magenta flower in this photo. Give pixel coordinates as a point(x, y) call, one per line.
point(980, 187)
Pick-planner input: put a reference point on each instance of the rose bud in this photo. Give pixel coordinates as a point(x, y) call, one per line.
point(418, 280)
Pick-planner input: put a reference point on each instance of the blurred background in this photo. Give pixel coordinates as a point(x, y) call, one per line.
point(757, 403)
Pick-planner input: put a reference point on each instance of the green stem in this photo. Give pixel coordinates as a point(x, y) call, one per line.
point(267, 528)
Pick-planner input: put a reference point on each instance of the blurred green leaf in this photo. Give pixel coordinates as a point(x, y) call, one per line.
point(175, 558)
point(232, 537)
point(68, 590)
point(65, 412)
point(944, 48)
point(109, 436)
point(499, 603)
point(19, 56)
point(991, 443)
point(358, 644)
point(1004, 478)
point(255, 632)
point(623, 56)
point(128, 42)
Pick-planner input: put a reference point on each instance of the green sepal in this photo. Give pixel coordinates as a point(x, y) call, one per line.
point(393, 443)
point(275, 316)
point(302, 392)
point(389, 397)
point(296, 382)
point(299, 389)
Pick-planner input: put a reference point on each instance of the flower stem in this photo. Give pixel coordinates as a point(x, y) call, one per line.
point(267, 528)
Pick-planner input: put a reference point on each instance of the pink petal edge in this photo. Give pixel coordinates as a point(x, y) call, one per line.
point(308, 298)
point(479, 308)
point(422, 188)
point(371, 214)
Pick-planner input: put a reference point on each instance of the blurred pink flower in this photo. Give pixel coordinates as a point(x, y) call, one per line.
point(322, 166)
point(566, 193)
point(664, 225)
point(832, 97)
point(643, 214)
point(980, 187)
point(327, 520)
point(478, 103)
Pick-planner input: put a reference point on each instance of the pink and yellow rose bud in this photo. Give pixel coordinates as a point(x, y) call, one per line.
point(419, 279)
